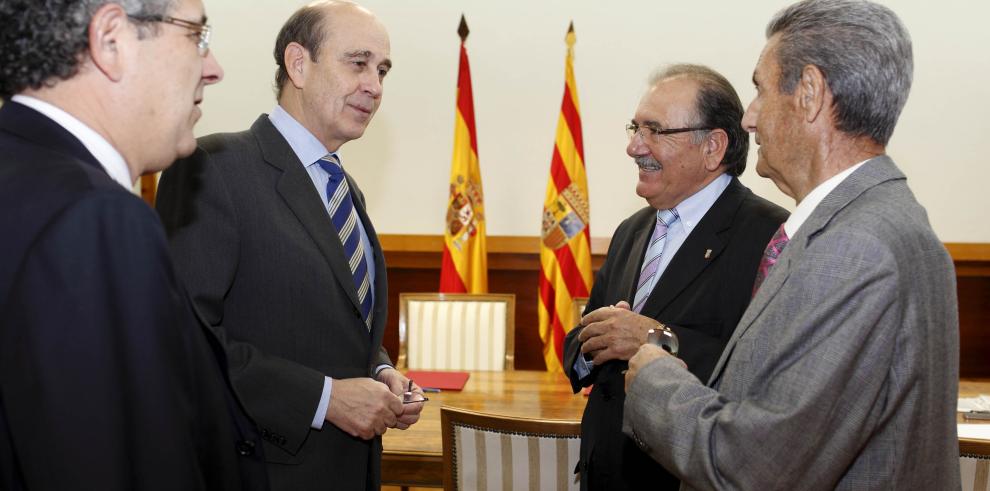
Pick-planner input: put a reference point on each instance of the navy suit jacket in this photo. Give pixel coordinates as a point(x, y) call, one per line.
point(107, 380)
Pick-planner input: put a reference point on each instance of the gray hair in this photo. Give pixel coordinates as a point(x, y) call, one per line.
point(862, 49)
point(717, 106)
point(43, 41)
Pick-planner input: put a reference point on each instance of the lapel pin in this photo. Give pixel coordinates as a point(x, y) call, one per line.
point(708, 254)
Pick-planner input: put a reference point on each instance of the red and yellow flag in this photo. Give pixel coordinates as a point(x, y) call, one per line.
point(565, 251)
point(465, 260)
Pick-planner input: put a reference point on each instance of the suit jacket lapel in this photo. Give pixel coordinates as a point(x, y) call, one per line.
point(381, 283)
point(693, 256)
point(874, 172)
point(296, 188)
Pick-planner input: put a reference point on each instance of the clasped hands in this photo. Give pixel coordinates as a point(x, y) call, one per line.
point(365, 407)
point(618, 333)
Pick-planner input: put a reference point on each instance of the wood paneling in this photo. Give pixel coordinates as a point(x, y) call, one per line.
point(974, 326)
point(514, 267)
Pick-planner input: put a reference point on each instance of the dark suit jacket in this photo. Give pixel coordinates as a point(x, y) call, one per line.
point(700, 298)
point(106, 380)
point(262, 260)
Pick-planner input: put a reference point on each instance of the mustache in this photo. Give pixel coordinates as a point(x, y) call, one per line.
point(648, 163)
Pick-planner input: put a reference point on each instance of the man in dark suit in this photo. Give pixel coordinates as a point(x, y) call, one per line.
point(107, 381)
point(843, 371)
point(687, 261)
point(274, 241)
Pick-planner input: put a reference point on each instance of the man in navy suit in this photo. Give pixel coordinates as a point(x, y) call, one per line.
point(107, 381)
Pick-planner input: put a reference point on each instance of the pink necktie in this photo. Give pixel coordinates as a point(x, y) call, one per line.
point(770, 255)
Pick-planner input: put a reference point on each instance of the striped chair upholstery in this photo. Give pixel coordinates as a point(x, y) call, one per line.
point(488, 452)
point(974, 464)
point(975, 472)
point(448, 331)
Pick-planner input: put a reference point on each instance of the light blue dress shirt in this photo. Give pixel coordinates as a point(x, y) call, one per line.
point(309, 150)
point(690, 211)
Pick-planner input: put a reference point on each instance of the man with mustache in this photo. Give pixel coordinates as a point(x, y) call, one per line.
point(107, 379)
point(843, 372)
point(687, 261)
point(272, 237)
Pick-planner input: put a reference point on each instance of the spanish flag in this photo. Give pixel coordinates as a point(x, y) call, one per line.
point(565, 251)
point(465, 260)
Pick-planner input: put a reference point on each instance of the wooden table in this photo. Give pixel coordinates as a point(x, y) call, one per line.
point(414, 457)
point(972, 388)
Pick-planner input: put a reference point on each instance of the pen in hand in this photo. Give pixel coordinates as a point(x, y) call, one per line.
point(407, 396)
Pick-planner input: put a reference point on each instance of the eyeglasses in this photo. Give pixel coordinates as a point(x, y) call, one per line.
point(200, 28)
point(649, 132)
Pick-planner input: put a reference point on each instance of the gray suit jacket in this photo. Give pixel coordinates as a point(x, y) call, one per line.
point(842, 373)
point(262, 261)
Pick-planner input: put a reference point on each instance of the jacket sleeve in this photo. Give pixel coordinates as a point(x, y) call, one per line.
point(815, 372)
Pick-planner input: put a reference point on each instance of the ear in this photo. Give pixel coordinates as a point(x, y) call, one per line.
point(714, 146)
point(109, 34)
point(812, 92)
point(296, 63)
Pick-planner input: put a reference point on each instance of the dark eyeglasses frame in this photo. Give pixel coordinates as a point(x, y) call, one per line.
point(632, 129)
point(201, 28)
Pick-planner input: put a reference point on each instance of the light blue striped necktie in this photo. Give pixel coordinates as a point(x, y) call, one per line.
point(344, 218)
point(651, 263)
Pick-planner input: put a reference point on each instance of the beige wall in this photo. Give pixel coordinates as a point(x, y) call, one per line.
point(517, 53)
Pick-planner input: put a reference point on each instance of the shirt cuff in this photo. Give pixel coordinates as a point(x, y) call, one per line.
point(379, 369)
point(582, 367)
point(321, 410)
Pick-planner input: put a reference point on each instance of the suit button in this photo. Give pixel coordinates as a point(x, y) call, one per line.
point(245, 448)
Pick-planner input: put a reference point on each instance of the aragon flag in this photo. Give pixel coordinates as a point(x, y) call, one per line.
point(465, 261)
point(565, 250)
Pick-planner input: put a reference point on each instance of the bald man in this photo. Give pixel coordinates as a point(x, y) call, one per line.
point(272, 237)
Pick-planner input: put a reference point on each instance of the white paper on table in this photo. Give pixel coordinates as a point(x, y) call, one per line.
point(978, 403)
point(974, 431)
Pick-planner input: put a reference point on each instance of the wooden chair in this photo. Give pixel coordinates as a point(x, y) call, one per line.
point(974, 464)
point(489, 452)
point(457, 331)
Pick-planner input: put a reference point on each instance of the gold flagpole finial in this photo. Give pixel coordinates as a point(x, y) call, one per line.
point(570, 38)
point(462, 30)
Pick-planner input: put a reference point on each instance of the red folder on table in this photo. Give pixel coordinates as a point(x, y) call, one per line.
point(438, 380)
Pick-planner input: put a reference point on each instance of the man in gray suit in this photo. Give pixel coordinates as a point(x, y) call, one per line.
point(843, 370)
point(273, 240)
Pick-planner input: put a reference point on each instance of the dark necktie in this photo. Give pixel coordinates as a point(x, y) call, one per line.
point(770, 255)
point(344, 218)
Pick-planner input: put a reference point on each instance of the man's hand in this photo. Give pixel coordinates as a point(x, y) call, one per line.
point(399, 385)
point(614, 333)
point(363, 407)
point(646, 354)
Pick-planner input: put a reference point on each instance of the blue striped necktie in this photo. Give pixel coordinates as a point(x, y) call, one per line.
point(651, 263)
point(344, 218)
